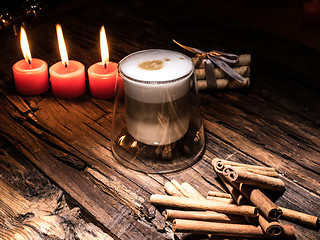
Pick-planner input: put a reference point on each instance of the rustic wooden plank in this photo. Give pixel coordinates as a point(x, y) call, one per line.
point(33, 208)
point(259, 125)
point(275, 146)
point(79, 187)
point(124, 197)
point(189, 172)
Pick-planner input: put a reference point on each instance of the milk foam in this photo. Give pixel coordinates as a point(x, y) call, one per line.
point(175, 65)
point(168, 81)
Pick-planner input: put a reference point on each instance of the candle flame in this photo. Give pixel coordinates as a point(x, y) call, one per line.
point(62, 46)
point(25, 45)
point(104, 46)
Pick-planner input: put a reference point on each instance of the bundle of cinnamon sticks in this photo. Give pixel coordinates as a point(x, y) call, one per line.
point(223, 80)
point(243, 212)
point(245, 182)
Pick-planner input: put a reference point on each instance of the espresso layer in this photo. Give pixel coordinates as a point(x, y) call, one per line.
point(157, 124)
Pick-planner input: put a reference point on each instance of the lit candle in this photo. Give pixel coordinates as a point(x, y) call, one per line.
point(30, 74)
point(67, 77)
point(103, 76)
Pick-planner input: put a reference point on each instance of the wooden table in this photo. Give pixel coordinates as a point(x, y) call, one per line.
point(55, 154)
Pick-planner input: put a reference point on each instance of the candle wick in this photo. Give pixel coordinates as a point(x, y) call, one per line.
point(29, 61)
point(65, 65)
point(105, 65)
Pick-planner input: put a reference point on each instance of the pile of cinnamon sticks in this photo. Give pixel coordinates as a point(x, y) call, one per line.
point(223, 80)
point(243, 212)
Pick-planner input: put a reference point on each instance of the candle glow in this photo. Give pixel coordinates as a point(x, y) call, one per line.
point(104, 46)
point(25, 45)
point(62, 46)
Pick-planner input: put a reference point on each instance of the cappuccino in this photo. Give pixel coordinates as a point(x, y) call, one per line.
point(156, 85)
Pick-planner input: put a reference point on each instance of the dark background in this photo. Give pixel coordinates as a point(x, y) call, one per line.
point(285, 18)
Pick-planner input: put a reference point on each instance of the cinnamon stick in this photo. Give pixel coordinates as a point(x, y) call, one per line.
point(197, 204)
point(172, 190)
point(246, 166)
point(219, 73)
point(273, 174)
point(223, 83)
point(237, 196)
point(192, 192)
point(300, 217)
point(227, 229)
point(252, 220)
point(181, 189)
point(235, 193)
point(266, 206)
point(241, 176)
point(219, 194)
point(217, 165)
point(219, 199)
point(170, 214)
point(270, 210)
point(220, 164)
point(244, 59)
point(270, 228)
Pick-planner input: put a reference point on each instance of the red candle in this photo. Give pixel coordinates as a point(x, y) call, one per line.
point(30, 74)
point(67, 77)
point(67, 81)
point(102, 80)
point(103, 76)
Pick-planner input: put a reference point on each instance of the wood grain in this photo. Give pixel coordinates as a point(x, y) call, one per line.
point(274, 123)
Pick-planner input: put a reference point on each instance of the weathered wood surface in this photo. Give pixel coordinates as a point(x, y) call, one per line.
point(32, 208)
point(274, 123)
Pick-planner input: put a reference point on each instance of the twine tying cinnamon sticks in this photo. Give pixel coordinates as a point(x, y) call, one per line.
point(220, 70)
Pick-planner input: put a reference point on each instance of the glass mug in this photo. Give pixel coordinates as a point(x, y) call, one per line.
point(157, 126)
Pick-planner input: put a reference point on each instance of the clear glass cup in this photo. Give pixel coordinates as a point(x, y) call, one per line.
point(157, 126)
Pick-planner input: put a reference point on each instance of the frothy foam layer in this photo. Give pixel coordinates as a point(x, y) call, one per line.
point(156, 75)
point(156, 65)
